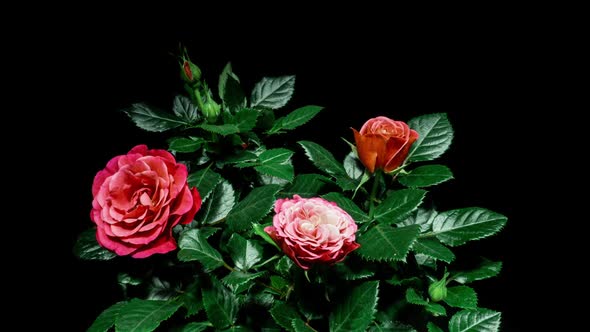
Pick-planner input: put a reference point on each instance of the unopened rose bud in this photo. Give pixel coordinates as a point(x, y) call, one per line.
point(189, 71)
point(438, 289)
point(211, 110)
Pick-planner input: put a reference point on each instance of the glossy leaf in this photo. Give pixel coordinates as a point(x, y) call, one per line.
point(87, 247)
point(244, 253)
point(384, 242)
point(220, 305)
point(107, 318)
point(461, 297)
point(204, 180)
point(193, 246)
point(398, 205)
point(144, 315)
point(425, 176)
point(486, 270)
point(456, 227)
point(435, 136)
point(305, 185)
point(150, 119)
point(184, 108)
point(479, 320)
point(219, 205)
point(434, 249)
point(283, 314)
point(185, 145)
point(252, 208)
point(272, 92)
point(356, 311)
point(347, 205)
point(295, 119)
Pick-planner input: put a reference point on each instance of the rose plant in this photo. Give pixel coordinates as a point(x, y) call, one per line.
point(233, 238)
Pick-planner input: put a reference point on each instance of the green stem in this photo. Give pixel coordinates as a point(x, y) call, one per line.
point(374, 193)
point(266, 261)
point(199, 100)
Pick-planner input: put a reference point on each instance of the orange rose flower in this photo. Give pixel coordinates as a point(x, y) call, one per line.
point(384, 143)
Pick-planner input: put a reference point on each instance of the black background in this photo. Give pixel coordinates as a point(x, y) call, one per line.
point(482, 73)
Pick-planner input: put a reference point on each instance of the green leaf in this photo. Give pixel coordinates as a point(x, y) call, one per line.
point(161, 290)
point(305, 185)
point(191, 299)
point(356, 311)
point(398, 205)
point(252, 208)
point(259, 230)
point(425, 176)
point(413, 297)
point(436, 309)
point(277, 162)
point(295, 119)
point(280, 283)
point(323, 159)
point(348, 273)
point(185, 145)
point(389, 326)
point(196, 326)
point(144, 315)
point(193, 246)
point(348, 184)
point(353, 166)
point(230, 91)
point(272, 92)
point(462, 297)
point(218, 205)
point(245, 119)
point(244, 253)
point(486, 270)
point(284, 314)
point(184, 108)
point(397, 281)
point(384, 242)
point(281, 171)
point(435, 136)
point(238, 281)
point(220, 305)
point(151, 119)
point(284, 265)
point(479, 320)
point(425, 260)
point(347, 205)
point(433, 328)
point(421, 217)
point(300, 326)
point(456, 227)
point(87, 247)
point(107, 318)
point(434, 249)
point(205, 180)
point(276, 156)
point(223, 130)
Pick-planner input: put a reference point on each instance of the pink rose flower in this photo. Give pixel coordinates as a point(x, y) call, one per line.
point(138, 198)
point(312, 230)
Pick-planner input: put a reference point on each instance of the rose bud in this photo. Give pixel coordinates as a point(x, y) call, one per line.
point(383, 143)
point(438, 289)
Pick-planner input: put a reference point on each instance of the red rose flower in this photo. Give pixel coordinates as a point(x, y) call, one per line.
point(138, 198)
point(383, 143)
